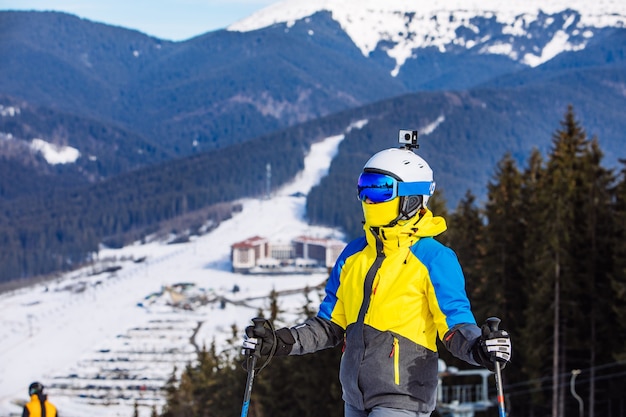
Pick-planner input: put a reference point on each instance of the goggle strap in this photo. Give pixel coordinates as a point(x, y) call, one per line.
point(416, 188)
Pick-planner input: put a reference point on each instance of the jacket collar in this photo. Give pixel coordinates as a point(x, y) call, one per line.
point(406, 233)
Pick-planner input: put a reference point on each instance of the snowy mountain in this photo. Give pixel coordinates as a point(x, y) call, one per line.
point(292, 62)
point(107, 336)
point(516, 29)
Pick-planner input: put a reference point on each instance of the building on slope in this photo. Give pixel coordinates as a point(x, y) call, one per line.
point(303, 255)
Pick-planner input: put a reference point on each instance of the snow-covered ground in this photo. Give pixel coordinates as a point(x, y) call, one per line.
point(105, 337)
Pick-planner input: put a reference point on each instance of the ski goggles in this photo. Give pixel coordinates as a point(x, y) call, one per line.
point(379, 188)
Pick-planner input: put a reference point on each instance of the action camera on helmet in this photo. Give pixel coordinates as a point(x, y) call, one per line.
point(408, 138)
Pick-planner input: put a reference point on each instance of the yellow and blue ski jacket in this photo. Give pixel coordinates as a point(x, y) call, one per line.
point(389, 295)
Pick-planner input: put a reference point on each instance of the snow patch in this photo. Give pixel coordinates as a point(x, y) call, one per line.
point(558, 44)
point(9, 111)
point(55, 154)
point(430, 128)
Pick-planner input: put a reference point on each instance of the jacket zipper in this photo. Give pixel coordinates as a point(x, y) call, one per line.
point(395, 353)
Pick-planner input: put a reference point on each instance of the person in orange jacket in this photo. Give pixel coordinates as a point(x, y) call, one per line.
point(38, 406)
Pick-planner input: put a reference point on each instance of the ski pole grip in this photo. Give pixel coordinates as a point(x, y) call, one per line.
point(493, 323)
point(259, 331)
point(258, 325)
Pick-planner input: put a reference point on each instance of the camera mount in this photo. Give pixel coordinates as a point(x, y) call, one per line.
point(408, 138)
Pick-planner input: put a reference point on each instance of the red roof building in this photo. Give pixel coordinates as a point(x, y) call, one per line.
point(303, 254)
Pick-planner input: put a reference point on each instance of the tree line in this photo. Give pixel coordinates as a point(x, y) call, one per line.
point(62, 228)
point(546, 254)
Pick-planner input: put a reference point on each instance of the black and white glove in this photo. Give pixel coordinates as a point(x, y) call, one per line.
point(492, 346)
point(264, 340)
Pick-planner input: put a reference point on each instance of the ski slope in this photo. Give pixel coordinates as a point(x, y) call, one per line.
point(107, 336)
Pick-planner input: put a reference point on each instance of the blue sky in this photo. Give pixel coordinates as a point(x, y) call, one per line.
point(166, 19)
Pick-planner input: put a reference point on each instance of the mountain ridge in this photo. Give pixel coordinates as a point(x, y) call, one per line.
point(410, 25)
point(279, 74)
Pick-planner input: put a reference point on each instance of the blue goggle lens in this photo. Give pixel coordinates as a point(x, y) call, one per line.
point(376, 187)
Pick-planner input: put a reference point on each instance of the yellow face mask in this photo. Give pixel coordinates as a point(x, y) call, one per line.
point(381, 214)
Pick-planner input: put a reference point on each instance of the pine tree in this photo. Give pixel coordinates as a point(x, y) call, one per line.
point(171, 395)
point(505, 233)
point(618, 275)
point(593, 262)
point(230, 380)
point(554, 269)
point(535, 329)
point(180, 399)
point(502, 291)
point(538, 271)
point(504, 282)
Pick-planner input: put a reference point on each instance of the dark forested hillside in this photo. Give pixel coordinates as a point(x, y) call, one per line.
point(211, 91)
point(86, 63)
point(59, 229)
point(462, 132)
point(106, 150)
point(472, 128)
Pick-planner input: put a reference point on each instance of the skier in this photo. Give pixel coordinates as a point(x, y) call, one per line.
point(38, 406)
point(388, 295)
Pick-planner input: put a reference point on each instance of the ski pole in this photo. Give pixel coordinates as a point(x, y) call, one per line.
point(258, 329)
point(493, 323)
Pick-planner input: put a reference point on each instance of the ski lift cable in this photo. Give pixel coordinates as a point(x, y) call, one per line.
point(565, 374)
point(511, 392)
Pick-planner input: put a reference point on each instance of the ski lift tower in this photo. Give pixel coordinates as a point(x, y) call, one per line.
point(268, 180)
point(462, 400)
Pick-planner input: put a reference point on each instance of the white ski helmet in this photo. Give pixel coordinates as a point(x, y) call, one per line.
point(408, 177)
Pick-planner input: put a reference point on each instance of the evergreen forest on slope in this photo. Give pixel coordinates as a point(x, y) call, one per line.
point(59, 230)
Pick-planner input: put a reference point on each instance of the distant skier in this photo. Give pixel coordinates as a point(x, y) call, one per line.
point(39, 406)
point(389, 295)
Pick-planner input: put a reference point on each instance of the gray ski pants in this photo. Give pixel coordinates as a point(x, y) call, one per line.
point(350, 411)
